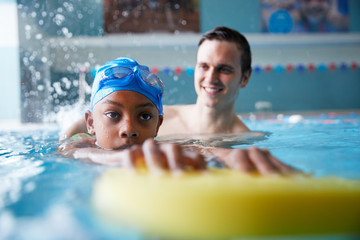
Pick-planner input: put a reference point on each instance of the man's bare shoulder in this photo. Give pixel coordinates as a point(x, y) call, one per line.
point(175, 120)
point(171, 111)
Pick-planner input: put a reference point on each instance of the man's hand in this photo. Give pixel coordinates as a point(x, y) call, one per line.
point(253, 160)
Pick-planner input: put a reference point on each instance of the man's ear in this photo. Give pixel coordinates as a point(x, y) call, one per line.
point(89, 122)
point(161, 119)
point(245, 79)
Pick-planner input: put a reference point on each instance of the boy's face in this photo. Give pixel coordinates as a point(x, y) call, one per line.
point(123, 118)
point(218, 73)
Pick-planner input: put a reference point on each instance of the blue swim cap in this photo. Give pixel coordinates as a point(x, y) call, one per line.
point(126, 74)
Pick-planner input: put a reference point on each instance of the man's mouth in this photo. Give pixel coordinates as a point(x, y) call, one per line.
point(212, 90)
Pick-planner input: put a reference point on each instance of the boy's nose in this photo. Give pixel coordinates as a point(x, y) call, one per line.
point(129, 134)
point(128, 130)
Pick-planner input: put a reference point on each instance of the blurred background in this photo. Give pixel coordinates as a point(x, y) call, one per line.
point(306, 53)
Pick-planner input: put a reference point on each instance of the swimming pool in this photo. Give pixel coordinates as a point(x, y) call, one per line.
point(43, 196)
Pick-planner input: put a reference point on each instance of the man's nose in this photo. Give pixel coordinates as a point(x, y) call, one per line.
point(212, 75)
point(128, 129)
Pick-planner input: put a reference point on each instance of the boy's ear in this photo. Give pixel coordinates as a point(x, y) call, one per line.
point(89, 122)
point(161, 119)
point(245, 79)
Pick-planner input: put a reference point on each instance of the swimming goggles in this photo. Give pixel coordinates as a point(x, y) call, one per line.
point(127, 74)
point(115, 73)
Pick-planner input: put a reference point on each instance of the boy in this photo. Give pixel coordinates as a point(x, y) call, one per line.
point(125, 115)
point(125, 111)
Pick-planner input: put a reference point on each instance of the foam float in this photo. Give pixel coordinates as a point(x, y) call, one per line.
point(227, 204)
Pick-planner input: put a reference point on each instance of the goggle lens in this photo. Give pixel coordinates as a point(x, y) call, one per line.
point(151, 79)
point(117, 72)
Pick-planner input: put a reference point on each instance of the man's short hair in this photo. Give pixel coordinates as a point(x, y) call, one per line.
point(230, 35)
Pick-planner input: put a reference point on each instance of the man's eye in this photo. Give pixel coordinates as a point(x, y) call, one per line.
point(145, 116)
point(112, 115)
point(226, 70)
point(203, 66)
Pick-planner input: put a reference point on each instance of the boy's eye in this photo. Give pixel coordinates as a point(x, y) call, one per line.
point(112, 115)
point(145, 116)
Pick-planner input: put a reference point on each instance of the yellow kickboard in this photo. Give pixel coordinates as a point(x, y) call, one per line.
point(228, 204)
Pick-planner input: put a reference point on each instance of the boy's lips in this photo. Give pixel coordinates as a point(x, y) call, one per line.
point(122, 147)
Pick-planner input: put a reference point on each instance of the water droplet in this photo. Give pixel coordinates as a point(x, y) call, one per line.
point(59, 19)
point(76, 83)
point(69, 7)
point(37, 75)
point(66, 32)
point(57, 87)
point(40, 87)
point(26, 61)
point(67, 82)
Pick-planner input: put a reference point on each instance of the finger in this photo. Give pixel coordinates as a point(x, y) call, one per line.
point(194, 160)
point(134, 158)
point(262, 163)
point(282, 167)
point(239, 160)
point(200, 160)
point(174, 156)
point(153, 157)
point(129, 160)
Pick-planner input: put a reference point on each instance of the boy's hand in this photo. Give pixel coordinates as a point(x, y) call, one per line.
point(164, 156)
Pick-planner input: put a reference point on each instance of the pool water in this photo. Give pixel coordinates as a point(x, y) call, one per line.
point(321, 144)
point(44, 196)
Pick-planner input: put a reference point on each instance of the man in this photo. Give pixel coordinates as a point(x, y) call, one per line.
point(223, 66)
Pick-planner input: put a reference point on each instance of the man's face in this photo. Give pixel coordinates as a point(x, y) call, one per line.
point(218, 73)
point(123, 118)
